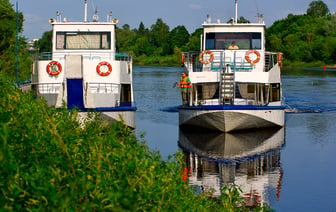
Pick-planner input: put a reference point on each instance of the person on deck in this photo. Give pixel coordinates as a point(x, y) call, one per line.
point(233, 46)
point(184, 85)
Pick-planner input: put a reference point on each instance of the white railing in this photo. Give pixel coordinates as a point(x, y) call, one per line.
point(87, 55)
point(223, 60)
point(48, 88)
point(104, 88)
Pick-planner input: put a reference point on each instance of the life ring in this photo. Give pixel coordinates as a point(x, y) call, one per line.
point(200, 57)
point(104, 68)
point(54, 68)
point(248, 58)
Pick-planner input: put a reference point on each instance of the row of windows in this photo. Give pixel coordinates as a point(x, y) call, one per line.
point(242, 40)
point(258, 92)
point(83, 40)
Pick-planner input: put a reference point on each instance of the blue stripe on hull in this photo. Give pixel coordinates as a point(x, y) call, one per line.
point(105, 109)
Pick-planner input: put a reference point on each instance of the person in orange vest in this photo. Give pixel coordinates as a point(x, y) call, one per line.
point(184, 85)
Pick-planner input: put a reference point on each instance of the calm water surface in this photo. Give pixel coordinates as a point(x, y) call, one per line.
point(292, 169)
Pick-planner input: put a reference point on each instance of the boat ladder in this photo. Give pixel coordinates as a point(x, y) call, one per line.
point(227, 88)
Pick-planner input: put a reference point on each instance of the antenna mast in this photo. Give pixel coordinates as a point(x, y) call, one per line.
point(85, 10)
point(236, 12)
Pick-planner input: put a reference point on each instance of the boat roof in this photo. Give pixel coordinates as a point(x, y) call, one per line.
point(113, 22)
point(84, 26)
point(237, 27)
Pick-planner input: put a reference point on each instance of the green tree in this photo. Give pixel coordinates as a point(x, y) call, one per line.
point(304, 38)
point(45, 43)
point(275, 43)
point(8, 43)
point(194, 41)
point(330, 26)
point(179, 36)
point(160, 32)
point(8, 24)
point(318, 9)
point(142, 31)
point(142, 47)
point(125, 39)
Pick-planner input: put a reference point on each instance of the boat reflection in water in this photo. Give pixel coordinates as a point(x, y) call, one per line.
point(250, 160)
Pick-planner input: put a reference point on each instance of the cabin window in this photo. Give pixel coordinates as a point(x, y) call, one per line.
point(83, 40)
point(259, 92)
point(244, 40)
point(207, 91)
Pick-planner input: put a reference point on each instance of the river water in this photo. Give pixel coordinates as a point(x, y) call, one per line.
point(291, 169)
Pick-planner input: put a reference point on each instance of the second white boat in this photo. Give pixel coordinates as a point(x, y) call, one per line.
point(235, 82)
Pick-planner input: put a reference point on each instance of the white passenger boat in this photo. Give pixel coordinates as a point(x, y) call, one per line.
point(233, 87)
point(84, 70)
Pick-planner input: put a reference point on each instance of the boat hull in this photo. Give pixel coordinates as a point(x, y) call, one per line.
point(125, 117)
point(232, 118)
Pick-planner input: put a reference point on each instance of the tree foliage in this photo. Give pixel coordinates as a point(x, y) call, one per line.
point(306, 38)
point(318, 9)
point(45, 43)
point(179, 36)
point(8, 43)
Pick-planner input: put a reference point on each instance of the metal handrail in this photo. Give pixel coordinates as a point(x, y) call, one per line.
point(90, 55)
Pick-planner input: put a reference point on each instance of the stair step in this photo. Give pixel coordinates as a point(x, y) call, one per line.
point(227, 88)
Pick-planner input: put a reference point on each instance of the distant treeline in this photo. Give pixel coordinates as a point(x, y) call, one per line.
point(305, 38)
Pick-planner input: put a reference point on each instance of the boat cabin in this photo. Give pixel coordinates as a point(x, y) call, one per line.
point(233, 66)
point(85, 71)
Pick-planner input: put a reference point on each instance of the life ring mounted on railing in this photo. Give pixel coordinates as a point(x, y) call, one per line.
point(206, 52)
point(54, 68)
point(104, 68)
point(252, 59)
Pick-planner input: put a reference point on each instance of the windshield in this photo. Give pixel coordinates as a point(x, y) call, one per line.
point(230, 40)
point(83, 40)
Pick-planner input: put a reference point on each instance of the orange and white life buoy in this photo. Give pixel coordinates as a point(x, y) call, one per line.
point(54, 68)
point(252, 59)
point(209, 60)
point(104, 68)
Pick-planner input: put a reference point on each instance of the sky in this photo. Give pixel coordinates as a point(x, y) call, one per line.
point(189, 13)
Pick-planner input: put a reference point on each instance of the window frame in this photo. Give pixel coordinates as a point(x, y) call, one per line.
point(61, 40)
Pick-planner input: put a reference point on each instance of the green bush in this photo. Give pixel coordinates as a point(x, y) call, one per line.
point(49, 161)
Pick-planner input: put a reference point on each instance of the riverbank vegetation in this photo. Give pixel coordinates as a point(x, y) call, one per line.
point(49, 161)
point(305, 39)
point(8, 20)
